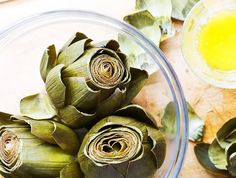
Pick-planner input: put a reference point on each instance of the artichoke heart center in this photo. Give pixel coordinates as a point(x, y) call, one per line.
point(107, 70)
point(114, 145)
point(9, 150)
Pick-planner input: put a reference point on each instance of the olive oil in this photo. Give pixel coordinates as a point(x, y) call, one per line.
point(217, 41)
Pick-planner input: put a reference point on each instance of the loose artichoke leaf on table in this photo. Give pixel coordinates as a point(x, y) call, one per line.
point(201, 151)
point(231, 158)
point(227, 133)
point(217, 155)
point(181, 8)
point(146, 23)
point(168, 121)
point(161, 10)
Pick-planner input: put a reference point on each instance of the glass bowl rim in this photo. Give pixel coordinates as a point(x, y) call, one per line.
point(151, 48)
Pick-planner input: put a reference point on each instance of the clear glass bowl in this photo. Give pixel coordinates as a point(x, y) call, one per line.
point(196, 18)
point(21, 48)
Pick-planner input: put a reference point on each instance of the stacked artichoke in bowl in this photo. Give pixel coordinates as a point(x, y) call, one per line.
point(84, 125)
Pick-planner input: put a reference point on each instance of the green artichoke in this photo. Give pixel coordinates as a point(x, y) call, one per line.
point(84, 82)
point(126, 144)
point(219, 157)
point(30, 149)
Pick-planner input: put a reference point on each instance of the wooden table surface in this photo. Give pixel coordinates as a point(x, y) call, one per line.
point(213, 104)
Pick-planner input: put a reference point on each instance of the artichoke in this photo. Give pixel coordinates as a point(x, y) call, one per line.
point(30, 149)
point(219, 157)
point(85, 82)
point(126, 144)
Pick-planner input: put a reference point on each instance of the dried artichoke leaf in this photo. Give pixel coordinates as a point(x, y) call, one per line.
point(232, 165)
point(201, 152)
point(48, 61)
point(55, 87)
point(53, 133)
point(168, 120)
point(217, 155)
point(110, 44)
point(225, 131)
point(159, 146)
point(75, 118)
point(166, 28)
point(231, 158)
point(37, 106)
point(73, 52)
point(137, 112)
point(136, 168)
point(138, 80)
point(158, 8)
point(79, 94)
point(196, 125)
point(111, 104)
point(181, 8)
point(80, 68)
point(75, 38)
point(71, 170)
point(5, 119)
point(66, 138)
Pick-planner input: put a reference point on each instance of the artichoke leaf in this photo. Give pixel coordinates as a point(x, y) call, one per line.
point(196, 125)
point(138, 80)
point(110, 44)
point(168, 120)
point(158, 8)
point(66, 138)
point(74, 118)
point(73, 52)
point(71, 170)
point(225, 131)
point(79, 94)
point(231, 158)
point(75, 38)
point(48, 61)
point(166, 27)
point(159, 146)
point(54, 133)
point(201, 151)
point(55, 87)
point(37, 106)
point(181, 8)
point(136, 167)
point(140, 19)
point(80, 68)
point(5, 119)
point(217, 155)
point(161, 10)
point(111, 104)
point(232, 165)
point(137, 112)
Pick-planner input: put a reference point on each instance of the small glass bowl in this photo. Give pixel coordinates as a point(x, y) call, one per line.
point(196, 18)
point(21, 48)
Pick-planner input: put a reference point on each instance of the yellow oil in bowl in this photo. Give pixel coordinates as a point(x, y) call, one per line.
point(217, 41)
